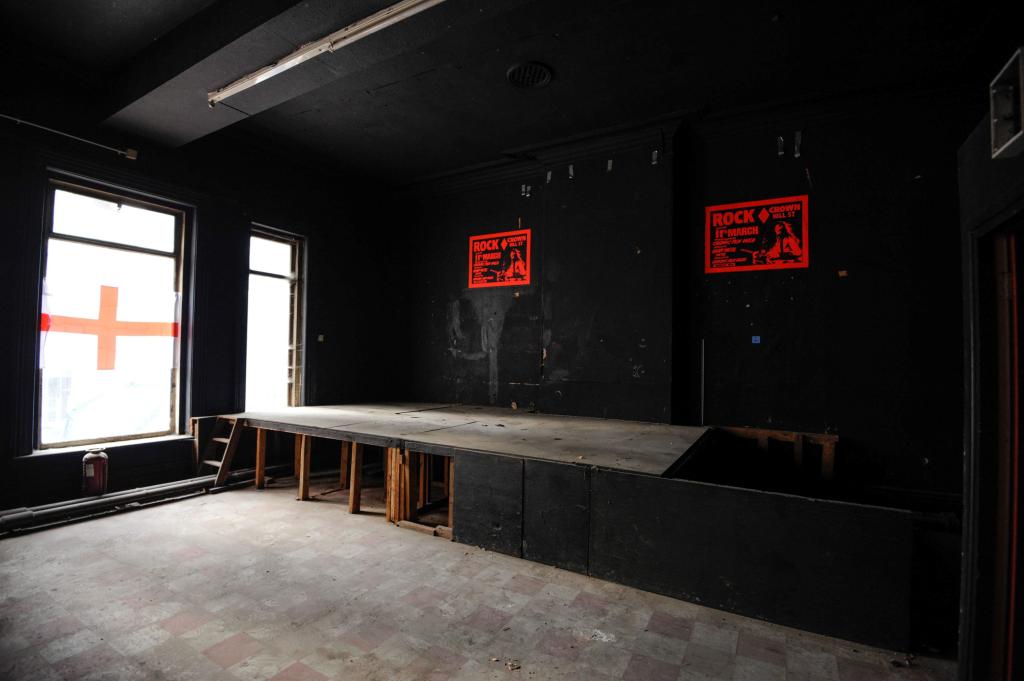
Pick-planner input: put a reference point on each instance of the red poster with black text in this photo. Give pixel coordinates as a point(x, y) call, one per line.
point(500, 259)
point(756, 235)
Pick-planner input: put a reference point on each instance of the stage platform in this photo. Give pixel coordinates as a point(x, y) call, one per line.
point(450, 429)
point(612, 499)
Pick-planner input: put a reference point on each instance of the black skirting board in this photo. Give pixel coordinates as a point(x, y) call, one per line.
point(489, 503)
point(556, 514)
point(833, 568)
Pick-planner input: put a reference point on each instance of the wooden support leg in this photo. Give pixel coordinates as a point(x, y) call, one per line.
point(828, 460)
point(304, 456)
point(446, 475)
point(394, 484)
point(389, 495)
point(423, 495)
point(198, 444)
point(451, 491)
point(261, 458)
point(415, 485)
point(346, 450)
point(298, 454)
point(395, 489)
point(407, 485)
point(355, 479)
point(798, 450)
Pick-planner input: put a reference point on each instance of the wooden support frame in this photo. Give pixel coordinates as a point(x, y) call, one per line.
point(201, 430)
point(423, 480)
point(407, 483)
point(389, 495)
point(826, 441)
point(355, 478)
point(409, 479)
point(346, 454)
point(261, 458)
point(305, 454)
point(828, 459)
point(298, 453)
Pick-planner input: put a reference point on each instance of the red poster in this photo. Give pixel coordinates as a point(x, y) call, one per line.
point(501, 259)
point(756, 235)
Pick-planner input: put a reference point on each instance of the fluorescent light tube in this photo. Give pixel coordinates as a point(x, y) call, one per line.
point(346, 36)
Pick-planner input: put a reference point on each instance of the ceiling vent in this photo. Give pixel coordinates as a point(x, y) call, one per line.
point(529, 75)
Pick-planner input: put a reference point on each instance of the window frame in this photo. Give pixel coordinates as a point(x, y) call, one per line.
point(183, 215)
point(297, 325)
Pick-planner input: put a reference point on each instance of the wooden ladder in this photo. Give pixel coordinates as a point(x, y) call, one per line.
point(221, 447)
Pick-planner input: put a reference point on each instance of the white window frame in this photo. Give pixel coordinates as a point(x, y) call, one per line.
point(296, 331)
point(128, 198)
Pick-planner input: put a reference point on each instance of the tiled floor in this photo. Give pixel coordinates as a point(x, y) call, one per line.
point(254, 585)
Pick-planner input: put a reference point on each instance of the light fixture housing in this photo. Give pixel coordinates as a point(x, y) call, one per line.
point(389, 16)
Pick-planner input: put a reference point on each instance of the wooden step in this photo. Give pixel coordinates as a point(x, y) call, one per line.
point(213, 462)
point(229, 453)
point(222, 440)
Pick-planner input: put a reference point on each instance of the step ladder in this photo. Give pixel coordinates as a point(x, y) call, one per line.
point(220, 448)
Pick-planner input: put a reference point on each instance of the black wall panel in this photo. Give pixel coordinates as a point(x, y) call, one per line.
point(866, 342)
point(477, 346)
point(592, 334)
point(837, 569)
point(556, 514)
point(489, 503)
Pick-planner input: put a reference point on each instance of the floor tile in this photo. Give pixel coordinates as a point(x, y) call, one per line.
point(671, 626)
point(642, 668)
point(233, 650)
point(298, 672)
point(257, 586)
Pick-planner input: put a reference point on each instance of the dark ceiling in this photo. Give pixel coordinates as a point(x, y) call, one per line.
point(98, 34)
point(430, 95)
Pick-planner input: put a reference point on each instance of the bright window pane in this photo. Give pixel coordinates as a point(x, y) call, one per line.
point(92, 218)
point(267, 356)
point(108, 344)
point(272, 257)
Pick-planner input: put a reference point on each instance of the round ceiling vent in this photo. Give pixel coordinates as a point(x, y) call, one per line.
point(528, 75)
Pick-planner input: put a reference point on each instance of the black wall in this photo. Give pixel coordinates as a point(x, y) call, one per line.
point(592, 333)
point(865, 343)
point(231, 184)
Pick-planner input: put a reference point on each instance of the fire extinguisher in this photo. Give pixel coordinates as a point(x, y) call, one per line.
point(94, 473)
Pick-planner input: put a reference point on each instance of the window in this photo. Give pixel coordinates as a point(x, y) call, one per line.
point(273, 358)
point(109, 329)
